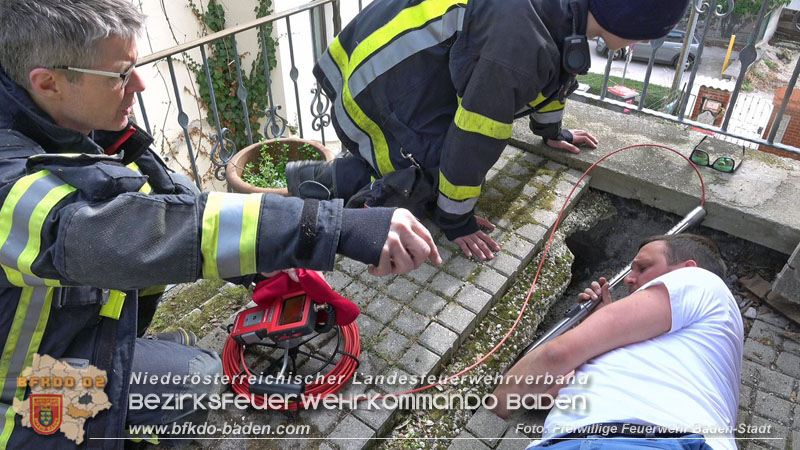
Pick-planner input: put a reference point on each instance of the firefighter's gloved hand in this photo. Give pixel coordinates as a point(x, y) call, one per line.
point(407, 246)
point(570, 140)
point(478, 243)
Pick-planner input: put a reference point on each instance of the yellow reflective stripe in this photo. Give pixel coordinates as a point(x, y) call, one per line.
point(146, 189)
point(7, 211)
point(13, 334)
point(8, 427)
point(46, 195)
point(154, 290)
point(480, 124)
point(249, 236)
point(457, 192)
point(539, 99)
point(357, 114)
point(113, 307)
point(553, 106)
point(407, 19)
point(16, 278)
point(36, 224)
point(210, 238)
point(12, 341)
point(37, 334)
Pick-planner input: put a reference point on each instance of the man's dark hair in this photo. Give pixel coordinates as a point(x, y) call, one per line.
point(683, 247)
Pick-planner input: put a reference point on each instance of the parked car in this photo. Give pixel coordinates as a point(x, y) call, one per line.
point(669, 53)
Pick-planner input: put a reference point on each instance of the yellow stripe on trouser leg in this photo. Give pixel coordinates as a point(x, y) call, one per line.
point(457, 192)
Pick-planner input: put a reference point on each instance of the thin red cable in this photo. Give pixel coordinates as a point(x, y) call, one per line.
point(233, 354)
point(544, 257)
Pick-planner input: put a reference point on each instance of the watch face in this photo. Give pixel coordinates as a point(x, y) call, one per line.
point(292, 311)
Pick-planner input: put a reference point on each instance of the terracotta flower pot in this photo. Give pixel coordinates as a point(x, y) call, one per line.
point(251, 154)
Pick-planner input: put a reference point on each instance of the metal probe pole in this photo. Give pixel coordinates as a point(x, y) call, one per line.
point(583, 309)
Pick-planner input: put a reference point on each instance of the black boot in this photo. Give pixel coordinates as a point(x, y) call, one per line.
point(310, 179)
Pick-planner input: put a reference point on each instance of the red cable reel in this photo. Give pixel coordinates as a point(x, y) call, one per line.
point(289, 315)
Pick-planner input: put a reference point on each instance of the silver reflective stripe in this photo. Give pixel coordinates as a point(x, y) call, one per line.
point(18, 235)
point(34, 310)
point(230, 235)
point(405, 46)
point(355, 134)
point(453, 207)
point(3, 411)
point(549, 117)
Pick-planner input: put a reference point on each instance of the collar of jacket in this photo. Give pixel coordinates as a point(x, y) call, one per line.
point(19, 112)
point(557, 17)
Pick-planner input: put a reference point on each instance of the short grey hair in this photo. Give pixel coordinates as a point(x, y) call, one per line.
point(50, 33)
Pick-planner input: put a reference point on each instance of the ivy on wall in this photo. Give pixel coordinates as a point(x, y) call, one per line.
point(222, 66)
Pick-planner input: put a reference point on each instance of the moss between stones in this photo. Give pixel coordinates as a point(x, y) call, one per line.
point(555, 277)
point(212, 313)
point(181, 301)
point(444, 425)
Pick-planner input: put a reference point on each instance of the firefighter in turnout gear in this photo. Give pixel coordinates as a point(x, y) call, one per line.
point(424, 95)
point(91, 220)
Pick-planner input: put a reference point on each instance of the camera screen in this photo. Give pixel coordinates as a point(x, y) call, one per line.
point(292, 311)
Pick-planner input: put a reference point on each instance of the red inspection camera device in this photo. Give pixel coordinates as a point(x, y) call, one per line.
point(293, 315)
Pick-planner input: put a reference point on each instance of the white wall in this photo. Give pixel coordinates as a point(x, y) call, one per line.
point(171, 23)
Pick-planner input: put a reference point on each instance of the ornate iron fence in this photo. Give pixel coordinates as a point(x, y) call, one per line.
point(223, 147)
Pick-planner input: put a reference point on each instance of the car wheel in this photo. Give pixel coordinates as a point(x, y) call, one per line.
point(619, 54)
point(689, 62)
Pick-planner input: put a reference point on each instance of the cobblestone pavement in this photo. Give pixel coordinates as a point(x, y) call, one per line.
point(412, 325)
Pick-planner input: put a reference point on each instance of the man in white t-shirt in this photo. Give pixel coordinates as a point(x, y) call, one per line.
point(660, 364)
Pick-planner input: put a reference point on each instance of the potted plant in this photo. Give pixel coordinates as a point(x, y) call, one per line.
point(261, 167)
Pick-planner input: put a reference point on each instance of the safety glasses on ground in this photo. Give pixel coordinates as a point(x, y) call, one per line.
point(723, 163)
point(125, 76)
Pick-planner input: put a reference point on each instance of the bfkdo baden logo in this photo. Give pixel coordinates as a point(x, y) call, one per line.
point(46, 408)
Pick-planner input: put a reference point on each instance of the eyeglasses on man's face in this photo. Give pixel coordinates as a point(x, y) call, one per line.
point(125, 76)
point(723, 164)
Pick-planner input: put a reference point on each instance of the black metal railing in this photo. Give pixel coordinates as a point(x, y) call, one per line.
point(321, 13)
point(713, 10)
point(223, 147)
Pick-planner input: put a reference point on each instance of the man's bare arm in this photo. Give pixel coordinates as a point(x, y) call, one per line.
point(638, 317)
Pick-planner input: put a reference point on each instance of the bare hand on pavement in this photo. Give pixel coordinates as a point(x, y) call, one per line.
point(478, 243)
point(579, 137)
point(407, 246)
